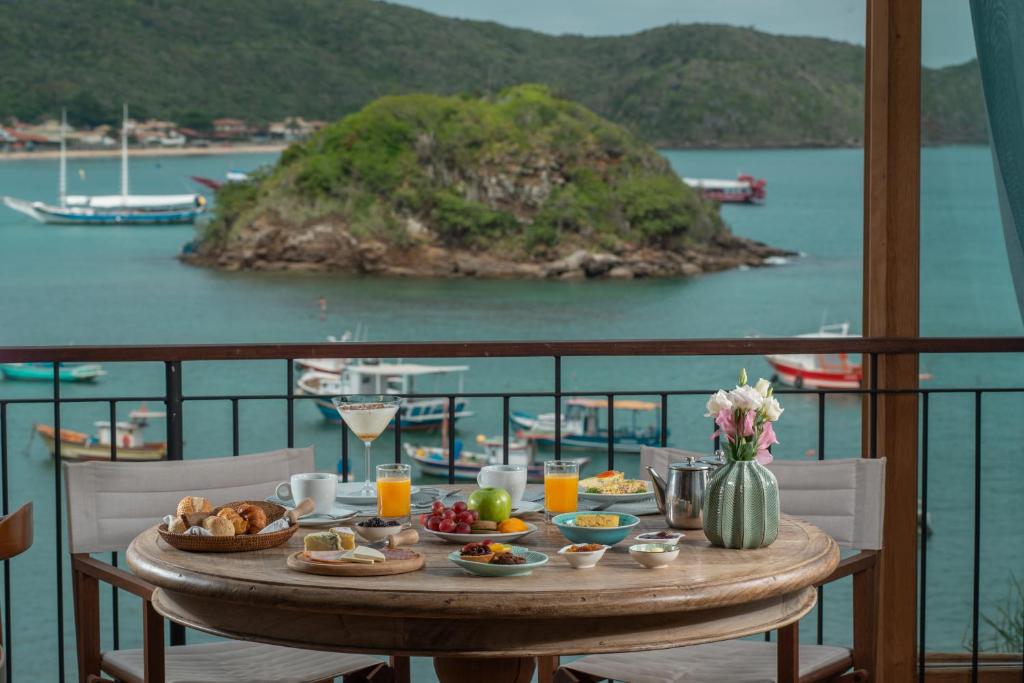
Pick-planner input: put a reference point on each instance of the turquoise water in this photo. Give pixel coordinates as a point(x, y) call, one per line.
point(68, 285)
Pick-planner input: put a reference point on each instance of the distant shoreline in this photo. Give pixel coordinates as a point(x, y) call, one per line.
point(135, 152)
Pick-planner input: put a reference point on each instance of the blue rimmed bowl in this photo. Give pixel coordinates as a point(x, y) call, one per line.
point(605, 535)
point(533, 560)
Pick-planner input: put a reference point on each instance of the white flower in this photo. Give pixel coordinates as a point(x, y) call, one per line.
point(772, 409)
point(763, 386)
point(718, 402)
point(746, 398)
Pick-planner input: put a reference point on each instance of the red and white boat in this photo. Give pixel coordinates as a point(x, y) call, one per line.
point(746, 189)
point(819, 370)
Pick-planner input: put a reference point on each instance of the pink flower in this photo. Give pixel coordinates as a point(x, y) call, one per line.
point(766, 439)
point(726, 424)
point(748, 423)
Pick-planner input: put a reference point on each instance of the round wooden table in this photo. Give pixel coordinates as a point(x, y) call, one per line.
point(707, 594)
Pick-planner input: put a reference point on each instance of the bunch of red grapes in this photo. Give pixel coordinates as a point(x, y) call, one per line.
point(456, 519)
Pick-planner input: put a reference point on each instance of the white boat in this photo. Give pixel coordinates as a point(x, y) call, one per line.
point(119, 209)
point(819, 370)
point(131, 446)
point(365, 377)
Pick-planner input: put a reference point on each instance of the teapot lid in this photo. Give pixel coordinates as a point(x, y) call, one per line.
point(690, 464)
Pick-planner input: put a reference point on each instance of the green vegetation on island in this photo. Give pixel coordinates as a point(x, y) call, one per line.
point(675, 86)
point(513, 184)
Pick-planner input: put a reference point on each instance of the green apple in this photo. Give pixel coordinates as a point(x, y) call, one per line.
point(492, 504)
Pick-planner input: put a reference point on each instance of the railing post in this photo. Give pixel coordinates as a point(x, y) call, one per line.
point(891, 308)
point(172, 398)
point(172, 374)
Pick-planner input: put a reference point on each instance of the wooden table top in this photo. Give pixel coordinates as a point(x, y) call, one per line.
point(701, 577)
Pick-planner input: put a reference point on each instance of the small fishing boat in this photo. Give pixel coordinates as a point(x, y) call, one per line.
point(128, 435)
point(581, 426)
point(43, 372)
point(746, 189)
point(819, 370)
point(230, 177)
point(365, 377)
point(433, 460)
point(119, 209)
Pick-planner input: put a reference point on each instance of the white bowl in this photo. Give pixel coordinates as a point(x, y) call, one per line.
point(654, 555)
point(376, 533)
point(582, 560)
point(649, 537)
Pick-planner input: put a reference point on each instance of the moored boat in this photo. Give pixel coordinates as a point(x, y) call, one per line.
point(119, 209)
point(43, 372)
point(128, 437)
point(746, 189)
point(582, 428)
point(819, 370)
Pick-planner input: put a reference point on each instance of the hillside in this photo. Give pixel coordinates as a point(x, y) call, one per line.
point(676, 86)
point(521, 184)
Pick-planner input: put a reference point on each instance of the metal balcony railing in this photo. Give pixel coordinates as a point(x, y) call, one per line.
point(174, 398)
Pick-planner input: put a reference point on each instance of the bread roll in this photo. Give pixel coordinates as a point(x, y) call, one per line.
point(193, 504)
point(240, 525)
point(254, 515)
point(218, 526)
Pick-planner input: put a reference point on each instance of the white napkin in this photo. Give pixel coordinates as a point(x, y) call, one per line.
point(279, 525)
point(191, 531)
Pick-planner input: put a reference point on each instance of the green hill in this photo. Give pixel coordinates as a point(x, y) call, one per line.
point(518, 184)
point(680, 85)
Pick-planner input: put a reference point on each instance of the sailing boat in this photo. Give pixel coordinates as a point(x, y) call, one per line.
point(117, 209)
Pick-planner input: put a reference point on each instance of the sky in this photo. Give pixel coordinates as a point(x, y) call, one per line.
point(947, 37)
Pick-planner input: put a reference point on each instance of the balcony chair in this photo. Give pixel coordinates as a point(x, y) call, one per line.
point(109, 503)
point(842, 497)
point(15, 538)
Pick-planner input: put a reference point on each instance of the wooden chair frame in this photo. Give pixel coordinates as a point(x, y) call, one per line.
point(15, 538)
point(86, 574)
point(862, 568)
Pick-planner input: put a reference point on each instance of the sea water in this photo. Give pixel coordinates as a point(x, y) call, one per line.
point(119, 285)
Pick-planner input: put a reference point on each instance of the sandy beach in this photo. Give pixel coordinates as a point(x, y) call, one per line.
point(144, 152)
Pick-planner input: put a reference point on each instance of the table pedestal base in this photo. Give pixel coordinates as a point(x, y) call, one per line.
point(490, 669)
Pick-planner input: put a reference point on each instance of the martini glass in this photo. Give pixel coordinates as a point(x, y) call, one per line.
point(368, 415)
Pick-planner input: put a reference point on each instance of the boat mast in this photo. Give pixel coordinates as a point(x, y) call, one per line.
point(124, 151)
point(63, 188)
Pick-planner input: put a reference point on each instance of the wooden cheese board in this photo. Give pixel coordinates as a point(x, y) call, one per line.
point(299, 563)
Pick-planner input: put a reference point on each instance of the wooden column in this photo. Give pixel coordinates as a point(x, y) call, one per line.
point(892, 133)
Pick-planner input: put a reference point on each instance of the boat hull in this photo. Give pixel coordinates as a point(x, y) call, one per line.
point(77, 446)
point(623, 443)
point(43, 372)
point(55, 215)
point(794, 375)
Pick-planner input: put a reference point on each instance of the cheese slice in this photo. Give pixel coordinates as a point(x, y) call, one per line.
point(361, 552)
point(346, 536)
point(325, 555)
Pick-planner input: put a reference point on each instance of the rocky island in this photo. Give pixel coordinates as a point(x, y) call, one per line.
point(521, 184)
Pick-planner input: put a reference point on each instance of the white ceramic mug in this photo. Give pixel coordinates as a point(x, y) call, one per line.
point(319, 486)
point(512, 478)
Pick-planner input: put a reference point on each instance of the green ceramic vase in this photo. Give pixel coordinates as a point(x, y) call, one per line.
point(741, 506)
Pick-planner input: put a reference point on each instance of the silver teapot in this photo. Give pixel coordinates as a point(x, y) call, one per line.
point(681, 498)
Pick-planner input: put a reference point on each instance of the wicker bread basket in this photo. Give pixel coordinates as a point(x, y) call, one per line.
point(232, 544)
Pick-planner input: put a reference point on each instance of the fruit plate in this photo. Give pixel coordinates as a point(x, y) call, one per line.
point(533, 560)
point(471, 538)
point(618, 497)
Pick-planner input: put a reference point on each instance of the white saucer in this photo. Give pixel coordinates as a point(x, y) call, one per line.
point(525, 507)
point(339, 516)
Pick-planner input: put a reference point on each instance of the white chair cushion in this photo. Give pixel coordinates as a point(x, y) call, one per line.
point(732, 661)
point(240, 662)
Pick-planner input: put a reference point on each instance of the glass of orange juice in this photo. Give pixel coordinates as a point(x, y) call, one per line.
point(561, 486)
point(393, 490)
